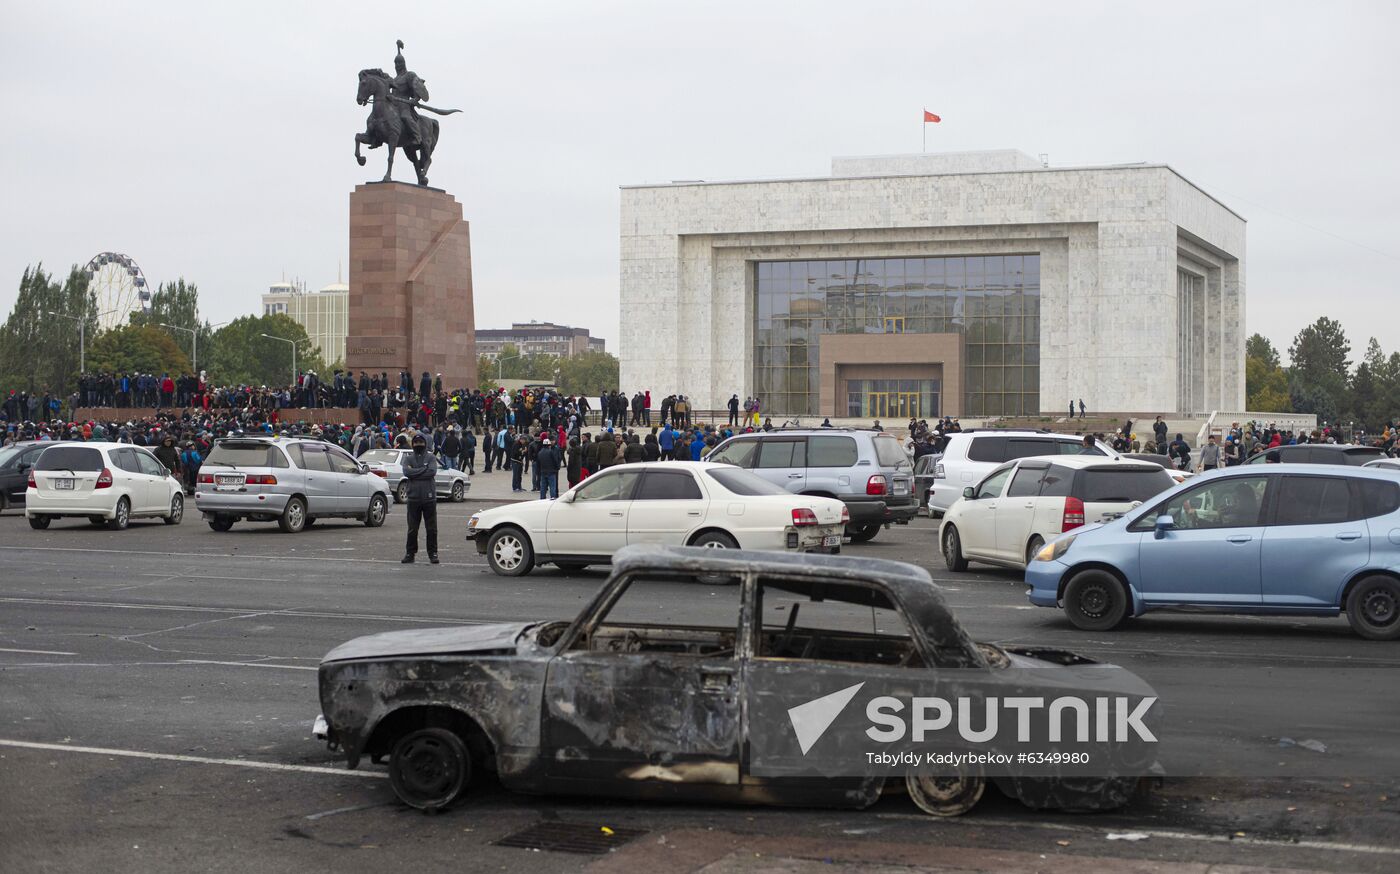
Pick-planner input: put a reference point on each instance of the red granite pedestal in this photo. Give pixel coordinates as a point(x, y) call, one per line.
point(410, 285)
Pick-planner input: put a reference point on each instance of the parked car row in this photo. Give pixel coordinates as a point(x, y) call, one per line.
point(292, 482)
point(1106, 541)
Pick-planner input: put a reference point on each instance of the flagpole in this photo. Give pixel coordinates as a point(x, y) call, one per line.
point(925, 127)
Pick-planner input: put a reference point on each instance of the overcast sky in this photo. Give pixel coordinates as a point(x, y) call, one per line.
point(214, 141)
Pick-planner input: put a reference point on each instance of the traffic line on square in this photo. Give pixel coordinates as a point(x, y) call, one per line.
point(195, 760)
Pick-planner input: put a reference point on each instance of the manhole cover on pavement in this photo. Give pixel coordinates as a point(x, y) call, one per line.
point(570, 837)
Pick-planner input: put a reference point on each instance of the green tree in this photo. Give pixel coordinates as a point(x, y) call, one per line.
point(137, 349)
point(1317, 379)
point(238, 354)
point(1266, 387)
point(588, 373)
point(1258, 346)
point(173, 303)
point(40, 352)
point(1266, 383)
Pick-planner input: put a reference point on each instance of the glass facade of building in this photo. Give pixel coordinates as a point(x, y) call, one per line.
point(993, 301)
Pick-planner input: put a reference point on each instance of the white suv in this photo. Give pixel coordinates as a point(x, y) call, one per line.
point(1021, 506)
point(968, 456)
point(107, 483)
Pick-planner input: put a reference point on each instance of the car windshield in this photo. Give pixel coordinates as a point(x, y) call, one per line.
point(8, 453)
point(1125, 486)
point(70, 458)
point(380, 456)
point(889, 453)
point(242, 455)
point(743, 483)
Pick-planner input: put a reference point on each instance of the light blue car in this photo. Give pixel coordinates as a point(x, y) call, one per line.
point(1281, 539)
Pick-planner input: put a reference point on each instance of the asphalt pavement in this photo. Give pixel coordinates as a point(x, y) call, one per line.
point(157, 687)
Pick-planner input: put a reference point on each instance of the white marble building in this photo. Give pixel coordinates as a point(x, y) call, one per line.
point(974, 284)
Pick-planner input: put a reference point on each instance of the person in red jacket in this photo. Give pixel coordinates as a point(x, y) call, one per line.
point(167, 390)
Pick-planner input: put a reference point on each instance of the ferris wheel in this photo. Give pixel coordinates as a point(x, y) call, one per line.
point(120, 287)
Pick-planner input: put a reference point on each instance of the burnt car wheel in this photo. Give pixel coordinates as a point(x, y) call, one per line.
point(1095, 601)
point(862, 533)
point(459, 492)
point(1373, 608)
point(509, 553)
point(221, 523)
point(378, 510)
point(945, 794)
point(429, 767)
point(952, 550)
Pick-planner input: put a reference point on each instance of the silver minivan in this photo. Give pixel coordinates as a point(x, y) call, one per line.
point(291, 482)
point(868, 471)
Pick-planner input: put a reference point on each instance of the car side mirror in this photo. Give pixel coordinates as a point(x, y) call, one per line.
point(970, 493)
point(566, 498)
point(1163, 524)
point(364, 468)
point(24, 467)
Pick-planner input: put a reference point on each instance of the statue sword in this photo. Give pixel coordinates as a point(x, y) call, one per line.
point(416, 105)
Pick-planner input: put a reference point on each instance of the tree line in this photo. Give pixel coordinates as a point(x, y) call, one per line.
point(1320, 378)
point(40, 352)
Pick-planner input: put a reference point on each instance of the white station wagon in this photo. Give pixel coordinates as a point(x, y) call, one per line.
point(681, 503)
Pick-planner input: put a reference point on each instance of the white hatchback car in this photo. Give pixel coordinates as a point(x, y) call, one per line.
point(106, 483)
point(968, 456)
point(1021, 506)
point(681, 503)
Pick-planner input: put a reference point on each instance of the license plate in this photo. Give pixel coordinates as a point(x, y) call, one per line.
point(224, 480)
point(63, 484)
point(831, 540)
point(901, 487)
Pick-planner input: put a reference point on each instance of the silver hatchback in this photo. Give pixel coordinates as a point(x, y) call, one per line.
point(290, 482)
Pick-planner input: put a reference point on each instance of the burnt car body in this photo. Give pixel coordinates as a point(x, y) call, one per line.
point(616, 703)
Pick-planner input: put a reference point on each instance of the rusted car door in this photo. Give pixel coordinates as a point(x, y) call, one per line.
point(636, 698)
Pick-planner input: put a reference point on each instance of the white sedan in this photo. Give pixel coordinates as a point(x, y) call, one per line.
point(388, 464)
point(106, 483)
point(682, 503)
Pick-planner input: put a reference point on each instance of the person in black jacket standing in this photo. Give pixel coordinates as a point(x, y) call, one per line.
point(420, 469)
point(548, 459)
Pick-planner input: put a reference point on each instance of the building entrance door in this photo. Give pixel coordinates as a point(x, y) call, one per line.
point(894, 405)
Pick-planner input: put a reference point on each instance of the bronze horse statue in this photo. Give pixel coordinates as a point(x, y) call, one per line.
point(391, 121)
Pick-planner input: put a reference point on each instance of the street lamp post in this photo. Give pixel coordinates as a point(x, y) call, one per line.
point(500, 365)
point(293, 344)
point(82, 334)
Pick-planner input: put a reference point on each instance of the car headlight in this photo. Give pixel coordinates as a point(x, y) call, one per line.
point(471, 523)
point(1052, 551)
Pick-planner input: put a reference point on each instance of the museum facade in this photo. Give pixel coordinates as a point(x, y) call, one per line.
point(974, 284)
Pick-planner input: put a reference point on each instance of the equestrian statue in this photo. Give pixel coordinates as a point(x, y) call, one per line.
point(394, 121)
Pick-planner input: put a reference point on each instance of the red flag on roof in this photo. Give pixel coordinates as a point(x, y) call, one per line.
point(929, 116)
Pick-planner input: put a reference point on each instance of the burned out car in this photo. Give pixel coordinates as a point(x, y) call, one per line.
point(671, 685)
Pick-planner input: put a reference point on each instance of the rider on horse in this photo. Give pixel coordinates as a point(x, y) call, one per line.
point(406, 89)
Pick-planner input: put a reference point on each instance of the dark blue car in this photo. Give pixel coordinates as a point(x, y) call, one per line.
point(1281, 539)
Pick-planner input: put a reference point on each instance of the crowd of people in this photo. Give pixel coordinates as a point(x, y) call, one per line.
point(539, 432)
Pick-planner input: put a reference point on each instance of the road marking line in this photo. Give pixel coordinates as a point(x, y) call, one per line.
point(208, 577)
point(234, 555)
point(377, 617)
point(249, 665)
point(37, 651)
point(1168, 835)
point(197, 760)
